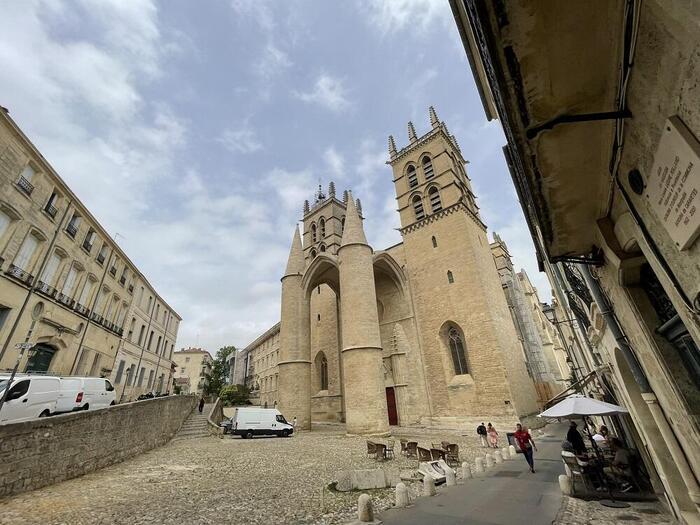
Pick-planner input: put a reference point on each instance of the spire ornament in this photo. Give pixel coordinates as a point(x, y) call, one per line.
point(306, 207)
point(331, 189)
point(345, 196)
point(433, 117)
point(295, 263)
point(358, 205)
point(392, 146)
point(411, 132)
point(353, 232)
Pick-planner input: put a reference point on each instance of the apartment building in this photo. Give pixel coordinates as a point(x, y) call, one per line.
point(256, 366)
point(192, 368)
point(65, 286)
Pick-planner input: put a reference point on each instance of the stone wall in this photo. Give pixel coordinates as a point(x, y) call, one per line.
point(41, 452)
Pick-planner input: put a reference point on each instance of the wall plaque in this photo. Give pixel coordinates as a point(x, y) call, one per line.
point(673, 187)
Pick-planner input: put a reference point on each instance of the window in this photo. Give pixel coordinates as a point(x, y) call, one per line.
point(158, 344)
point(313, 233)
point(18, 390)
point(427, 167)
point(73, 224)
point(450, 277)
point(157, 311)
point(28, 173)
point(150, 340)
point(113, 268)
point(95, 365)
point(342, 224)
point(322, 370)
point(150, 300)
point(418, 207)
point(322, 226)
point(434, 197)
point(140, 299)
point(130, 375)
point(434, 241)
point(150, 379)
point(143, 370)
point(70, 281)
point(4, 314)
point(456, 345)
point(87, 290)
point(143, 328)
point(313, 253)
point(120, 371)
point(103, 253)
point(322, 247)
point(131, 329)
point(51, 268)
point(50, 207)
point(110, 308)
point(5, 221)
point(25, 180)
point(412, 176)
point(89, 240)
point(26, 252)
point(125, 274)
point(108, 386)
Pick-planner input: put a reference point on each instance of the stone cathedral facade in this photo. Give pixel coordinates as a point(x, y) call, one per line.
point(417, 333)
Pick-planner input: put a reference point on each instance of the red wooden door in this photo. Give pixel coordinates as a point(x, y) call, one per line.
point(391, 406)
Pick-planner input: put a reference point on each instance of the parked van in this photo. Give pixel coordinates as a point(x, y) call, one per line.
point(253, 421)
point(28, 397)
point(70, 395)
point(96, 392)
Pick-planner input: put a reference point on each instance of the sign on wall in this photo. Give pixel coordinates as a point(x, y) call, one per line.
point(673, 188)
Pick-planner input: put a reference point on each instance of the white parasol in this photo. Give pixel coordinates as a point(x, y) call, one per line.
point(578, 405)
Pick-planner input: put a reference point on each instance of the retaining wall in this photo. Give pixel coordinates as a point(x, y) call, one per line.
point(44, 451)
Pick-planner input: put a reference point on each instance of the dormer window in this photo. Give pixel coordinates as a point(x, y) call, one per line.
point(412, 176)
point(427, 167)
point(418, 207)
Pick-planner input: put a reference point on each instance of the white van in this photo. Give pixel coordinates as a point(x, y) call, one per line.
point(28, 397)
point(96, 392)
point(70, 395)
point(254, 421)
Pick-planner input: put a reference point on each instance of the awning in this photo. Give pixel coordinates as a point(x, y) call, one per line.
point(575, 387)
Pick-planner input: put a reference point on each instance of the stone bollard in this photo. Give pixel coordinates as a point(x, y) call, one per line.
point(429, 486)
point(402, 499)
point(450, 477)
point(466, 471)
point(511, 449)
point(365, 512)
point(565, 484)
point(478, 465)
point(497, 457)
point(505, 452)
point(488, 463)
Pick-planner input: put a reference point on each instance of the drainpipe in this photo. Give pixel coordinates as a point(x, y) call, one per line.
point(648, 395)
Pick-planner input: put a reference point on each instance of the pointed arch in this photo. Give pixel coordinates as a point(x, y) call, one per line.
point(321, 365)
point(453, 338)
point(322, 227)
point(412, 176)
point(313, 232)
point(434, 199)
point(428, 171)
point(385, 263)
point(323, 269)
point(417, 203)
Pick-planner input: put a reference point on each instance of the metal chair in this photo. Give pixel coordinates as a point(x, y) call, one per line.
point(452, 456)
point(404, 447)
point(371, 449)
point(412, 449)
point(424, 454)
point(437, 453)
point(389, 452)
point(577, 474)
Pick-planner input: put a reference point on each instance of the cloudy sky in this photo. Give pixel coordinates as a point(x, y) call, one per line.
point(196, 130)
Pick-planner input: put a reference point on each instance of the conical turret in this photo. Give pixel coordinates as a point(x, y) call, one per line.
point(353, 232)
point(433, 117)
point(295, 263)
point(411, 132)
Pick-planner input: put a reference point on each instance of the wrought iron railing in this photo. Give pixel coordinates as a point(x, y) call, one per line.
point(113, 271)
point(71, 230)
point(25, 185)
point(87, 245)
point(20, 274)
point(45, 289)
point(100, 258)
point(65, 299)
point(82, 309)
point(51, 209)
point(573, 275)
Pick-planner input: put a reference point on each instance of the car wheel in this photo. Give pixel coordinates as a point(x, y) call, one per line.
point(113, 403)
point(86, 407)
point(285, 433)
point(45, 413)
point(249, 434)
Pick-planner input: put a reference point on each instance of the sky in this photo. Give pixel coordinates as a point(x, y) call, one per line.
point(194, 131)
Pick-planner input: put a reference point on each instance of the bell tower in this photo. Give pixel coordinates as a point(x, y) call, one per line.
point(324, 220)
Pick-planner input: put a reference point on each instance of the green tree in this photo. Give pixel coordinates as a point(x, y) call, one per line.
point(219, 369)
point(234, 395)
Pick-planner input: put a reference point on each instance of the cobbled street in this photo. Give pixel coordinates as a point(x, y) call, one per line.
point(230, 480)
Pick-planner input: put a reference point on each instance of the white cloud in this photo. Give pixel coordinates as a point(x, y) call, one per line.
point(391, 16)
point(328, 92)
point(241, 140)
point(272, 63)
point(334, 161)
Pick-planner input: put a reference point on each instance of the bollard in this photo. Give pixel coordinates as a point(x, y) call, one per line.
point(565, 484)
point(488, 462)
point(450, 477)
point(505, 452)
point(402, 499)
point(478, 465)
point(497, 457)
point(365, 512)
point(428, 486)
point(512, 450)
point(466, 471)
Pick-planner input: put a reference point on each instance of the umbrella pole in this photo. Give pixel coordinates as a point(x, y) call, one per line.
point(612, 503)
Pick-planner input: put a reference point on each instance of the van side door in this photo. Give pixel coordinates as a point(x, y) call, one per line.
point(16, 407)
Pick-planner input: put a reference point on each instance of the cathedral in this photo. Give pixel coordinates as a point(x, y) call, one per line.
point(416, 333)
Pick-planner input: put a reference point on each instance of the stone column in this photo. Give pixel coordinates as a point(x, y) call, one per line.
point(363, 370)
point(295, 363)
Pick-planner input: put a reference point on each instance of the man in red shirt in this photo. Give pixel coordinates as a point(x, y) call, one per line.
point(526, 444)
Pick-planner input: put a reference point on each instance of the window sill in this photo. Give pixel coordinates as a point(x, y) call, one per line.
point(52, 218)
point(461, 381)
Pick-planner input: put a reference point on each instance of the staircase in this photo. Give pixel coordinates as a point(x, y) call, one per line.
point(195, 426)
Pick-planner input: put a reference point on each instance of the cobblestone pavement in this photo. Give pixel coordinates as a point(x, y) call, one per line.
point(230, 480)
point(577, 512)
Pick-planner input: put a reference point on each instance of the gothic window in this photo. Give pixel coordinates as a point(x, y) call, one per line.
point(322, 227)
point(313, 233)
point(313, 253)
point(427, 167)
point(450, 277)
point(322, 370)
point(412, 176)
point(418, 207)
point(434, 241)
point(342, 224)
point(322, 247)
point(455, 342)
point(434, 197)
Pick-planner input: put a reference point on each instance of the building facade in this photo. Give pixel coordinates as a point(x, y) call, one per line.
point(602, 119)
point(257, 368)
point(65, 286)
point(543, 347)
point(419, 332)
point(195, 365)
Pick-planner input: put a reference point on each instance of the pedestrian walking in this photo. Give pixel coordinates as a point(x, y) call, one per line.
point(493, 435)
point(201, 404)
point(481, 431)
point(294, 424)
point(574, 437)
point(526, 444)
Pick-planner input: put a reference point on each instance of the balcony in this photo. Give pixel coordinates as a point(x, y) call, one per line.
point(82, 310)
point(19, 274)
point(45, 289)
point(51, 210)
point(65, 300)
point(71, 230)
point(24, 185)
point(87, 245)
point(100, 258)
point(96, 317)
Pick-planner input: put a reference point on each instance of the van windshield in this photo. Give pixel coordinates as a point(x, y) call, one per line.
point(3, 384)
point(281, 419)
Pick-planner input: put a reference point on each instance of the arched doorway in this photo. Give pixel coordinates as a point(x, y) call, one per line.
point(40, 360)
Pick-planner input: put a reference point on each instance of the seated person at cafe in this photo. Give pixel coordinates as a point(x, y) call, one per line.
point(587, 466)
point(620, 467)
point(601, 437)
point(574, 437)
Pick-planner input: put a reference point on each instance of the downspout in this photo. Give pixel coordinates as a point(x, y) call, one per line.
point(648, 395)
